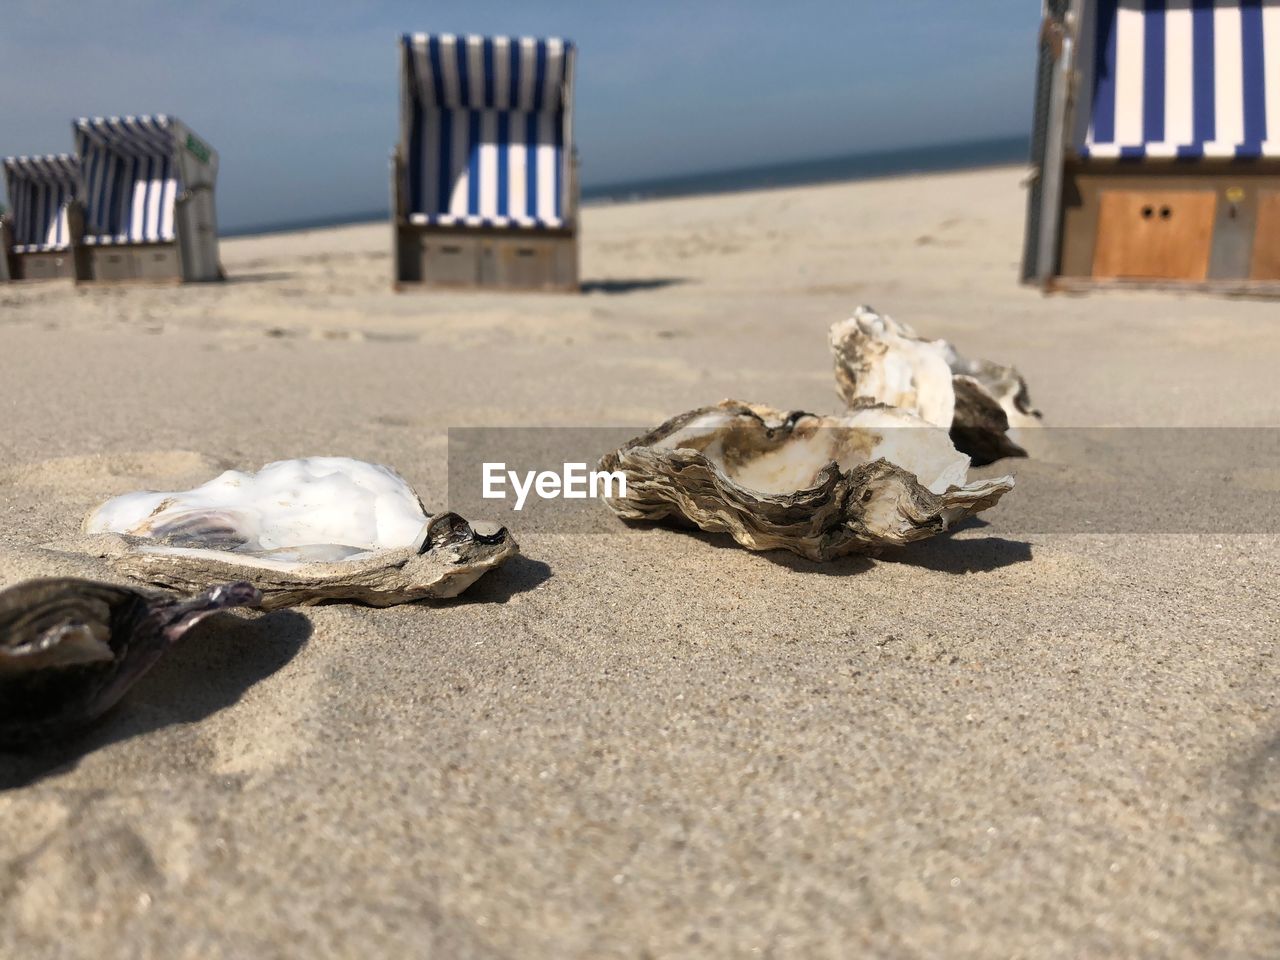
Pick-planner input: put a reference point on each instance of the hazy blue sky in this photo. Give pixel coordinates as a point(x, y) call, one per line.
point(300, 98)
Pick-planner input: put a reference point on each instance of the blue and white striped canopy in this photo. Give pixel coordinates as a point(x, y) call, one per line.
point(1183, 78)
point(487, 129)
point(39, 190)
point(130, 178)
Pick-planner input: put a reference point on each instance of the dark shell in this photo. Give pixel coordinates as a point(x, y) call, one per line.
point(69, 649)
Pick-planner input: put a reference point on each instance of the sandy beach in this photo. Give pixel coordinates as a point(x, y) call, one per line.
point(653, 743)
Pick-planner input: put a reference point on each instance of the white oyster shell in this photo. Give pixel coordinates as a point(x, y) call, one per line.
point(821, 487)
point(883, 360)
point(302, 531)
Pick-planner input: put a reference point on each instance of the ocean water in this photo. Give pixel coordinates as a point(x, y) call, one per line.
point(858, 166)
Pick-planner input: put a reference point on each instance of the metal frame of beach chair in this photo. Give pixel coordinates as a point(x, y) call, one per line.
point(35, 234)
point(145, 209)
point(484, 183)
point(1156, 146)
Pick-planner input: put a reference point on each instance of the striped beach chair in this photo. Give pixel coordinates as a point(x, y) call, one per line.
point(484, 178)
point(147, 199)
point(1158, 143)
point(36, 233)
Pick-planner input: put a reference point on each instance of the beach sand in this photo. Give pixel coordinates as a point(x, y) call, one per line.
point(653, 743)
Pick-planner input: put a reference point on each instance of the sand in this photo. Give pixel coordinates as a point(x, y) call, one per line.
point(653, 743)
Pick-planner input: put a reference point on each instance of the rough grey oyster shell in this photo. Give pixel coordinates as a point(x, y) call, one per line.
point(70, 648)
point(883, 360)
point(301, 531)
point(821, 487)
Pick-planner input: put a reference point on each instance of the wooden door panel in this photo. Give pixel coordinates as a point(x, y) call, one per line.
point(1155, 234)
point(1266, 241)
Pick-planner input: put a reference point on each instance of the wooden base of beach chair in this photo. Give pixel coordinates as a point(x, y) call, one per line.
point(480, 258)
point(41, 266)
point(145, 262)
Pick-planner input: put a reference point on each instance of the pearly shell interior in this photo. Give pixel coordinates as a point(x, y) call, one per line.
point(289, 513)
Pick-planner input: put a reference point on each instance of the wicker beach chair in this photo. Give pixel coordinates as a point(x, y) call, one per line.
point(1157, 146)
point(484, 180)
point(35, 236)
point(147, 201)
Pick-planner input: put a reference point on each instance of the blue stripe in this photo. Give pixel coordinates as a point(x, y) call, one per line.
point(124, 214)
point(473, 162)
point(1153, 71)
point(539, 74)
point(1204, 115)
point(414, 159)
point(147, 201)
point(531, 164)
point(437, 75)
point(107, 207)
point(1104, 87)
point(464, 80)
point(489, 80)
point(90, 182)
point(1255, 84)
point(504, 158)
point(445, 173)
point(514, 101)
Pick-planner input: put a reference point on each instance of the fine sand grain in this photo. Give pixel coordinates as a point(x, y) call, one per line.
point(652, 743)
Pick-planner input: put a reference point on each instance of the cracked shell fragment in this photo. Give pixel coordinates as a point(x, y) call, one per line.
point(69, 649)
point(883, 360)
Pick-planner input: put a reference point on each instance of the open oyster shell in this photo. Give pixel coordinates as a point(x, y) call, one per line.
point(69, 649)
point(880, 359)
point(821, 487)
point(301, 531)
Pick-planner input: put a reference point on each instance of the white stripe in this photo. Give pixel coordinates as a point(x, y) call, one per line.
point(1129, 64)
point(502, 72)
point(155, 194)
point(458, 179)
point(528, 64)
point(1271, 73)
point(546, 167)
point(169, 197)
point(554, 75)
point(475, 72)
point(138, 219)
point(1179, 122)
point(489, 164)
point(422, 67)
point(449, 69)
point(1228, 79)
point(516, 167)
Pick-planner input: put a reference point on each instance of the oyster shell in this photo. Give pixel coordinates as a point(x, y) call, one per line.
point(821, 487)
point(302, 531)
point(880, 359)
point(69, 648)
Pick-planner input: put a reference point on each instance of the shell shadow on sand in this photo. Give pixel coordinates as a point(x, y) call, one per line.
point(209, 669)
point(944, 554)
